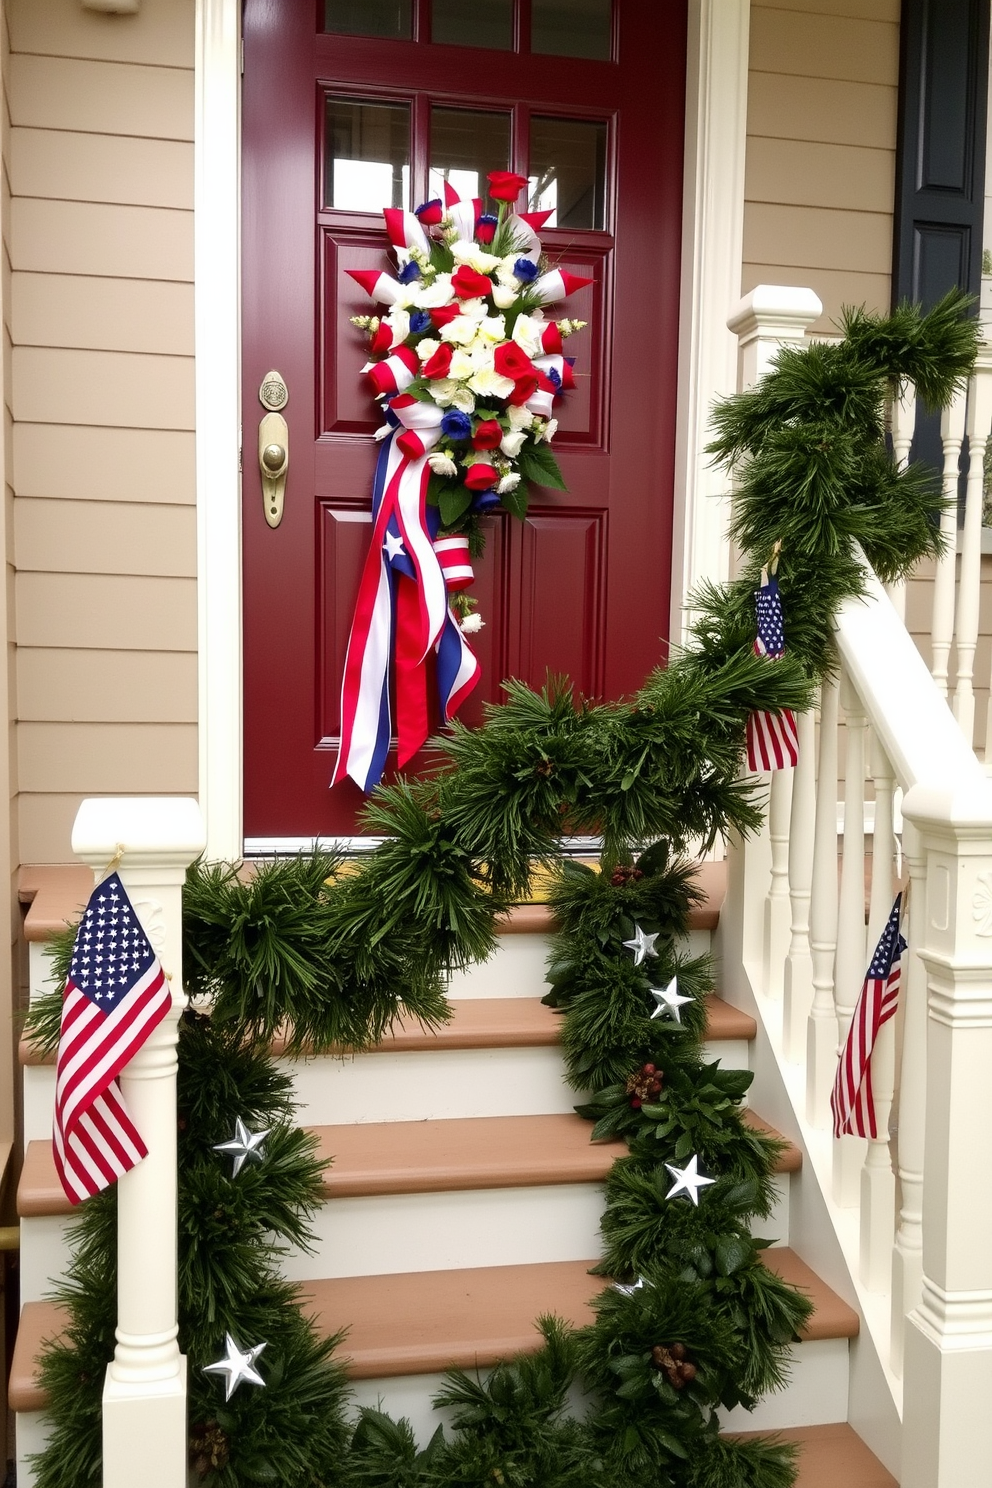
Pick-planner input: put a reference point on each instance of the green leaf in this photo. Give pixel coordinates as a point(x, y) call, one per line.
point(731, 1252)
point(537, 463)
point(516, 501)
point(454, 502)
point(435, 485)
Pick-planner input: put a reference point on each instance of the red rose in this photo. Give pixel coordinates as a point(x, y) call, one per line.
point(505, 185)
point(512, 361)
point(480, 477)
point(488, 435)
point(430, 212)
point(440, 363)
point(382, 340)
point(524, 390)
point(444, 314)
point(485, 229)
point(468, 285)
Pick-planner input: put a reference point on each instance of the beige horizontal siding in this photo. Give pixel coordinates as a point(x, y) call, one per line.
point(104, 538)
point(98, 238)
point(76, 686)
point(161, 34)
point(129, 390)
point(77, 462)
point(66, 166)
point(102, 314)
point(106, 612)
point(106, 758)
point(102, 97)
point(820, 175)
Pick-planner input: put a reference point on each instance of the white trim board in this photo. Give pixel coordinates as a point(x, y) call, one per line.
point(713, 214)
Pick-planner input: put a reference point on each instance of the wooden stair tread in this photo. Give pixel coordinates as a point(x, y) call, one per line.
point(492, 1023)
point(833, 1455)
point(423, 1322)
point(402, 1157)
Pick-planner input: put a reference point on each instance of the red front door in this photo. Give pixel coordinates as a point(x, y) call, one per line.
point(584, 98)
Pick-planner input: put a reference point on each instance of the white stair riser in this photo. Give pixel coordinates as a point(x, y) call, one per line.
point(39, 1102)
point(518, 967)
point(384, 1233)
point(44, 1254)
point(817, 1394)
point(32, 1435)
point(410, 1395)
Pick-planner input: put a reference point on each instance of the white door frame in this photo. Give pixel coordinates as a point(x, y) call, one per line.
point(713, 215)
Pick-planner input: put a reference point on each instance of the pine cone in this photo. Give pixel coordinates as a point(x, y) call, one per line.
point(643, 1085)
point(209, 1448)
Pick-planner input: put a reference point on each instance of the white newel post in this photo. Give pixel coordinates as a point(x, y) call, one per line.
point(947, 1433)
point(770, 317)
point(144, 1396)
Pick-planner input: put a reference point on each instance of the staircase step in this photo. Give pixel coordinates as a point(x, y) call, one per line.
point(407, 1157)
point(832, 1455)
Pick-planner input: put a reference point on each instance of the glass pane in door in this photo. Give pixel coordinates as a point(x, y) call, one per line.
point(568, 171)
point(366, 155)
point(466, 23)
point(466, 144)
point(369, 18)
point(572, 28)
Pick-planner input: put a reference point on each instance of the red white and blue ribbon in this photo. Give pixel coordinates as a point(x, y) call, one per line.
point(402, 613)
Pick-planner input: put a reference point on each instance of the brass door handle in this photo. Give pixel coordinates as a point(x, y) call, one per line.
point(273, 447)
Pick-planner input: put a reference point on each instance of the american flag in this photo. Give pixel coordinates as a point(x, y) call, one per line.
point(852, 1101)
point(115, 995)
point(772, 738)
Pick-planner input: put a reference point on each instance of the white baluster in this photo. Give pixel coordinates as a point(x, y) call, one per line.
point(849, 965)
point(942, 633)
point(798, 990)
point(821, 1033)
point(778, 910)
point(878, 1183)
point(907, 1254)
point(977, 424)
point(903, 429)
point(144, 1394)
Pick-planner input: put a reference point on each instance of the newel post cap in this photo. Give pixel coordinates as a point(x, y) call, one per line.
point(782, 311)
point(959, 812)
point(166, 830)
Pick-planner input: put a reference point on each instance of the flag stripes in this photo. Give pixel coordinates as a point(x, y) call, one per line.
point(852, 1100)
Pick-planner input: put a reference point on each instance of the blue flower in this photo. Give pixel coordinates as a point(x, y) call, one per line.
point(553, 374)
point(525, 271)
point(484, 501)
point(420, 321)
point(409, 272)
point(456, 425)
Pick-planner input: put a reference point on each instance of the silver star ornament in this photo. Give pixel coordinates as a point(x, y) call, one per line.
point(669, 1001)
point(243, 1145)
point(688, 1180)
point(642, 945)
point(238, 1365)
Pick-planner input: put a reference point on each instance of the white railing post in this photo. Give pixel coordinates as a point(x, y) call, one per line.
point(945, 575)
point(144, 1396)
point(947, 1433)
point(878, 1182)
point(821, 1032)
point(979, 418)
point(907, 1254)
point(770, 317)
point(903, 429)
point(849, 965)
point(798, 991)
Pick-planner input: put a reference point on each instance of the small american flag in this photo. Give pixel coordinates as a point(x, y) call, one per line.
point(772, 738)
point(116, 994)
point(852, 1101)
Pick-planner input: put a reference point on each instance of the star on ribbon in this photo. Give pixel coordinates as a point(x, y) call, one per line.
point(688, 1180)
point(669, 1001)
point(243, 1145)
point(642, 945)
point(238, 1365)
point(393, 544)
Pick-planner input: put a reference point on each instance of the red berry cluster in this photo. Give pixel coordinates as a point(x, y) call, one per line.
point(644, 1085)
point(621, 877)
point(674, 1364)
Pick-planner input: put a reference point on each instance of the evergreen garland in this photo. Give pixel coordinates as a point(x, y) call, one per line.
point(326, 955)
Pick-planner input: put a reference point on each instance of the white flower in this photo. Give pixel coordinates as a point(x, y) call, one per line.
point(460, 331)
point(520, 418)
point(487, 382)
point(492, 328)
point(511, 443)
point(471, 624)
point(399, 323)
point(508, 483)
point(442, 464)
point(527, 333)
point(462, 366)
point(462, 399)
point(474, 256)
point(442, 391)
point(476, 309)
point(545, 429)
point(504, 295)
point(426, 348)
point(430, 296)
